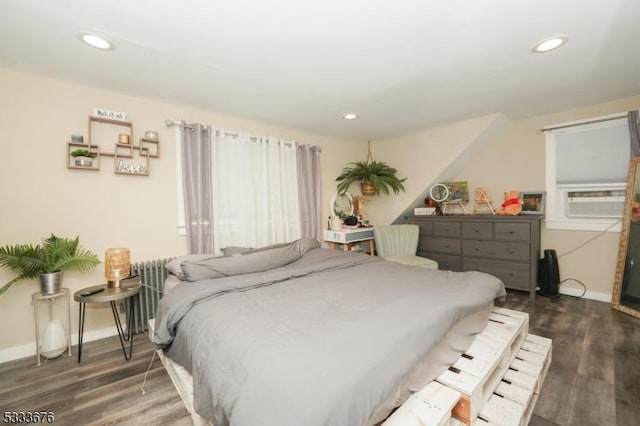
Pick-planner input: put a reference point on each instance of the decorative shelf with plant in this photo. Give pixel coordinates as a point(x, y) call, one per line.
point(82, 156)
point(128, 158)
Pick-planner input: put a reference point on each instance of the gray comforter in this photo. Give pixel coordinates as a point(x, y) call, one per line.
point(320, 341)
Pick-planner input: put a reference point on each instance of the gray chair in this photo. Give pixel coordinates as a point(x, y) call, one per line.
point(399, 243)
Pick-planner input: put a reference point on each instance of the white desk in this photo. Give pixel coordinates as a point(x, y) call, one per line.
point(349, 237)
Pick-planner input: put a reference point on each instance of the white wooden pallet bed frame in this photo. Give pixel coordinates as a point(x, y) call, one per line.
point(496, 382)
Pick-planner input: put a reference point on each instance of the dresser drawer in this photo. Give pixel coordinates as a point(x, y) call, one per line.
point(513, 274)
point(512, 231)
point(440, 245)
point(426, 226)
point(496, 249)
point(477, 230)
point(446, 262)
point(446, 229)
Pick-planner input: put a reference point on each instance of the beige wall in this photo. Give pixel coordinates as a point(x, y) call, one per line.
point(40, 195)
point(514, 159)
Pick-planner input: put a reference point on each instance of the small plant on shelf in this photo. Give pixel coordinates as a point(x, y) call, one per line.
point(83, 157)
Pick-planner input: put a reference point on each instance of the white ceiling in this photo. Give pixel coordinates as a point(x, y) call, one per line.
point(401, 65)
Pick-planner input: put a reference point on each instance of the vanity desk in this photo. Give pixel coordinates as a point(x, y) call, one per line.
point(349, 237)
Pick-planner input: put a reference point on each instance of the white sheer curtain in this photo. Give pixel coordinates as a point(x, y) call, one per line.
point(255, 188)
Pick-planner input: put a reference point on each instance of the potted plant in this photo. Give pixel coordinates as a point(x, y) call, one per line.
point(374, 177)
point(46, 261)
point(83, 157)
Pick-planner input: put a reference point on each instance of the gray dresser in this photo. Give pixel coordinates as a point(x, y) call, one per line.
point(505, 246)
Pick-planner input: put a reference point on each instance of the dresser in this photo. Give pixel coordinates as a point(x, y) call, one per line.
point(507, 247)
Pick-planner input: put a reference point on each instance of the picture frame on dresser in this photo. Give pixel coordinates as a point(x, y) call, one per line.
point(533, 202)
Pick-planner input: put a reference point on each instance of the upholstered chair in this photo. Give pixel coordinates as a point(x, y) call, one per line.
point(399, 243)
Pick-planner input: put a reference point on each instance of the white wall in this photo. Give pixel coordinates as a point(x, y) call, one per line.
point(40, 195)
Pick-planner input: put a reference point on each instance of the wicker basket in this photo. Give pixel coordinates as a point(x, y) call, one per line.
point(368, 189)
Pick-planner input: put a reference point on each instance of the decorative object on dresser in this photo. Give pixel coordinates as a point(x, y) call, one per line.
point(46, 261)
point(482, 201)
point(512, 204)
point(438, 194)
point(458, 196)
point(505, 246)
point(533, 202)
point(119, 145)
point(374, 176)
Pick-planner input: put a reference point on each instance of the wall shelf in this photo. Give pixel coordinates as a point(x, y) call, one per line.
point(128, 159)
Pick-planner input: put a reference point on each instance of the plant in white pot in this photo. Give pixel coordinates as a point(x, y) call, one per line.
point(46, 260)
point(83, 157)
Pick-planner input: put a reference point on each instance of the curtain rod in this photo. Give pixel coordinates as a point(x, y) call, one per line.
point(599, 120)
point(171, 123)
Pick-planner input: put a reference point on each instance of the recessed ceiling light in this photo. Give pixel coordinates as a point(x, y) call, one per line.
point(550, 43)
point(95, 40)
point(350, 116)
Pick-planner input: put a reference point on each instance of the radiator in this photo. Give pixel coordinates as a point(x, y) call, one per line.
point(152, 276)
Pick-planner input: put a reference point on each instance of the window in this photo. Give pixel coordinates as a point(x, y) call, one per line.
point(586, 173)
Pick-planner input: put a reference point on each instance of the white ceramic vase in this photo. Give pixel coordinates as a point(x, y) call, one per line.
point(54, 340)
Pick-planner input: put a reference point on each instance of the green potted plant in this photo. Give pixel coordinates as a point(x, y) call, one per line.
point(83, 157)
point(374, 177)
point(46, 260)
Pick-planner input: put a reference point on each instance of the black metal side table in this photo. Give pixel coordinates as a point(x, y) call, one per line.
point(103, 293)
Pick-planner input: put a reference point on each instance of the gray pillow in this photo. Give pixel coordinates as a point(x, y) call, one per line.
point(175, 266)
point(233, 250)
point(258, 260)
point(229, 251)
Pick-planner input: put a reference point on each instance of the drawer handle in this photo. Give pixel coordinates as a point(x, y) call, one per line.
point(511, 251)
point(511, 274)
point(476, 231)
point(446, 246)
point(511, 232)
point(476, 249)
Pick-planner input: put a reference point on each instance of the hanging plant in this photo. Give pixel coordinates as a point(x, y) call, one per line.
point(374, 177)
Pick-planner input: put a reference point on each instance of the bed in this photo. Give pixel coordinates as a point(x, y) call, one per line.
point(296, 334)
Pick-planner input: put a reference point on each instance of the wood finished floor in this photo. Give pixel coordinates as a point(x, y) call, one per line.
point(594, 378)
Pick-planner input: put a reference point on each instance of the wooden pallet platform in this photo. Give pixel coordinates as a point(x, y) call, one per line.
point(429, 407)
point(515, 397)
point(479, 371)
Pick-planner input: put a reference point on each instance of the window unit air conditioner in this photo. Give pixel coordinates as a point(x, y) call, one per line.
point(595, 204)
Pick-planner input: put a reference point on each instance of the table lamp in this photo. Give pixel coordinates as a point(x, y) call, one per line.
point(117, 266)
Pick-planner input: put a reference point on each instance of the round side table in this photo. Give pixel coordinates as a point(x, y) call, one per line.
point(103, 293)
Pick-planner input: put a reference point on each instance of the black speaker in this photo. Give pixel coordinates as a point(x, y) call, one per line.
point(549, 274)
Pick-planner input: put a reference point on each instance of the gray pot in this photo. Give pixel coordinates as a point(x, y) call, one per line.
point(50, 283)
point(84, 161)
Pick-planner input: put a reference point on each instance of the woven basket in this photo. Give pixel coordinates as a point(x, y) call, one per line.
point(368, 189)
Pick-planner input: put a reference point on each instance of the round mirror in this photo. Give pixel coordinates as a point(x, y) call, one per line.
point(341, 205)
point(439, 192)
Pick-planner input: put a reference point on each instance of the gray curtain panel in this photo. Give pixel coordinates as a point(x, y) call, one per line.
point(310, 191)
point(196, 174)
point(634, 132)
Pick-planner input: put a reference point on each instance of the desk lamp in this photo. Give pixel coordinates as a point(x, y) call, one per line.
point(117, 266)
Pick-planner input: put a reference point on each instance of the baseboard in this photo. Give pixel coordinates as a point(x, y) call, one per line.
point(23, 351)
point(593, 295)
